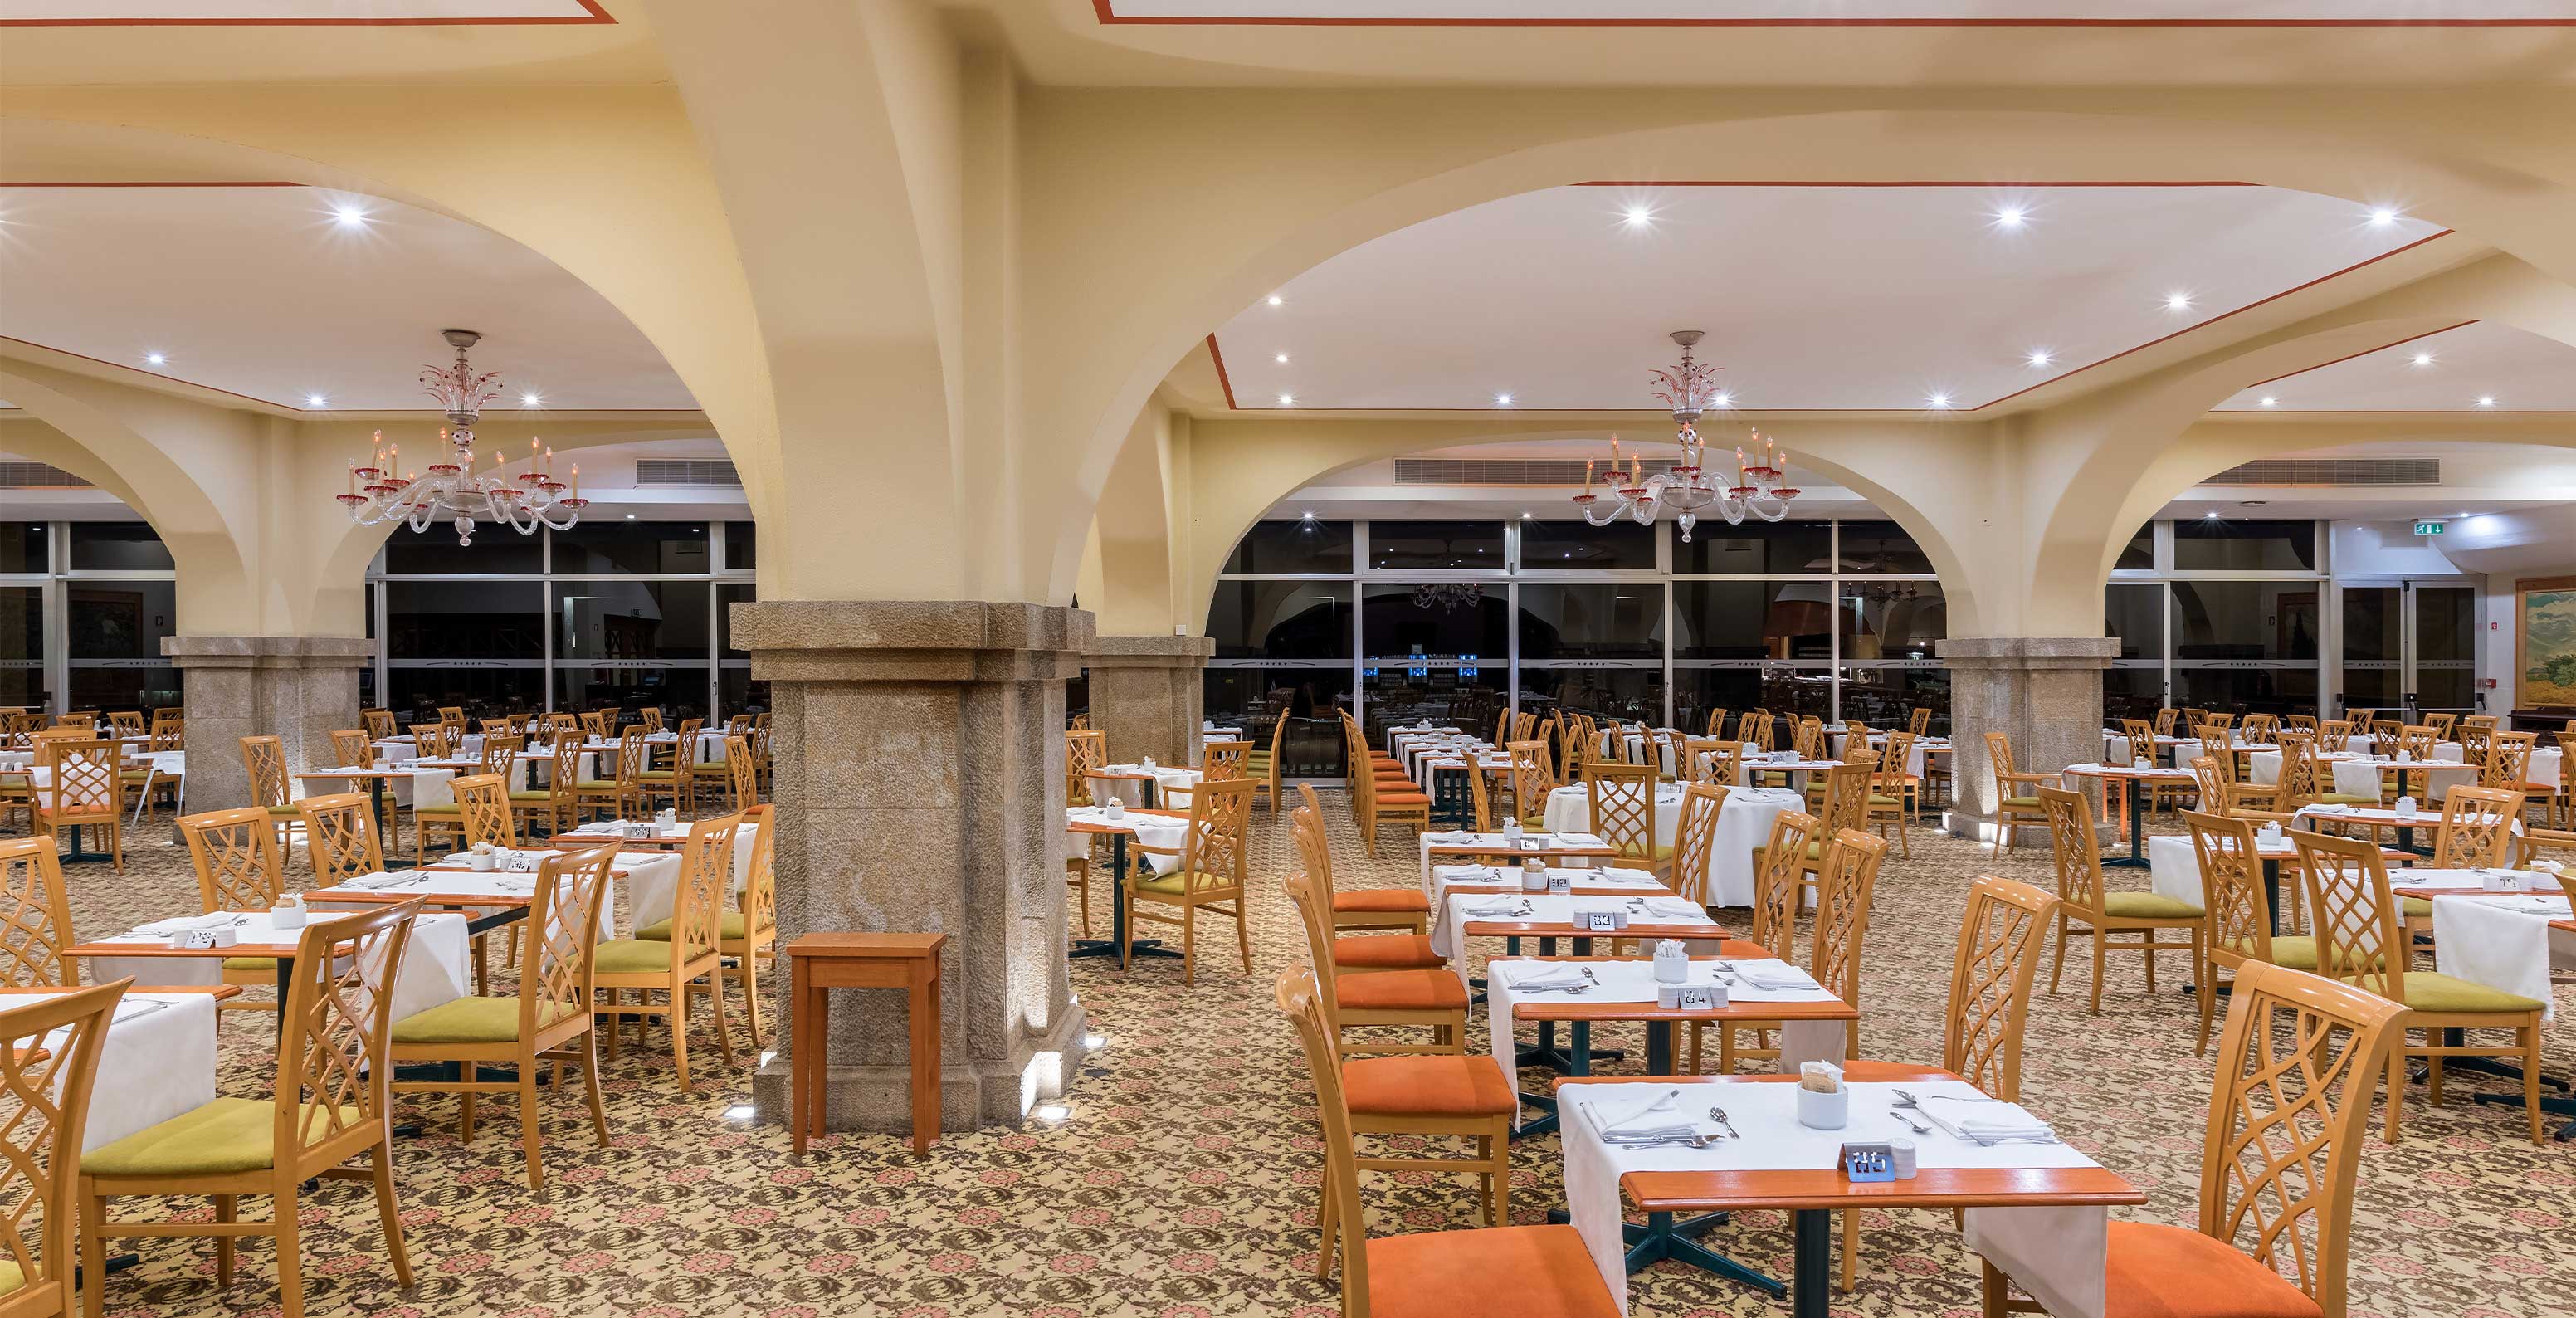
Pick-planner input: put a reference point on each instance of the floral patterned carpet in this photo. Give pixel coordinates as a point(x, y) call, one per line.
point(1183, 1183)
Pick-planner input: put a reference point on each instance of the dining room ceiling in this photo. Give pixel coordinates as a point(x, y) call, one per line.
point(1898, 297)
point(310, 299)
point(2478, 367)
point(1582, 13)
point(377, 13)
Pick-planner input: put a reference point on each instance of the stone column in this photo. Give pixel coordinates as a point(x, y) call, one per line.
point(920, 788)
point(299, 688)
point(1147, 693)
point(2043, 693)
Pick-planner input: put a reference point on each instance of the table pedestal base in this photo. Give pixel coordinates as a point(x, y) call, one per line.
point(1667, 1237)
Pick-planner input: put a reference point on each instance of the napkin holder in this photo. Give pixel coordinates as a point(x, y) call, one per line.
point(665, 819)
point(1672, 961)
point(288, 913)
point(2271, 835)
point(1824, 1101)
point(1114, 811)
point(1534, 877)
point(2406, 807)
point(1868, 1161)
point(1511, 828)
point(481, 860)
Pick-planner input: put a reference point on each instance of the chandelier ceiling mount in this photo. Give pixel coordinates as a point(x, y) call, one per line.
point(1689, 389)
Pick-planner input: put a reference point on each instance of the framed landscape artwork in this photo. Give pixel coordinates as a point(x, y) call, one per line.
point(2545, 641)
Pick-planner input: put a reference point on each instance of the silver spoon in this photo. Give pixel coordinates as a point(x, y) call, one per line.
point(1718, 1115)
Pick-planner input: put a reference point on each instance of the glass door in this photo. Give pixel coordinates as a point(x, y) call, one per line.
point(2410, 647)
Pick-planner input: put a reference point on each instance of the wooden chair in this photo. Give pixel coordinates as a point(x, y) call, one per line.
point(548, 1021)
point(1717, 724)
point(2221, 794)
point(2476, 832)
point(332, 1047)
point(2261, 728)
point(1622, 802)
point(82, 789)
point(238, 869)
point(1726, 764)
point(379, 723)
point(620, 790)
point(1417, 1094)
point(748, 936)
point(1845, 802)
point(85, 720)
point(1920, 721)
point(49, 1050)
point(2507, 764)
point(35, 916)
point(651, 717)
point(2240, 919)
point(2296, 1068)
point(1532, 780)
point(1892, 791)
point(595, 724)
point(2085, 900)
point(654, 785)
point(1516, 1272)
point(1085, 750)
point(1220, 761)
point(1843, 888)
point(1402, 909)
point(2334, 734)
point(1373, 799)
point(2362, 941)
point(674, 966)
point(741, 774)
point(2013, 804)
point(1209, 873)
point(1691, 756)
point(1264, 766)
point(1778, 892)
point(1425, 996)
point(482, 798)
point(340, 838)
point(351, 749)
point(429, 741)
point(2441, 725)
point(556, 802)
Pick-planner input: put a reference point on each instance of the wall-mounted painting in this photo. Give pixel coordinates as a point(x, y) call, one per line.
point(2545, 641)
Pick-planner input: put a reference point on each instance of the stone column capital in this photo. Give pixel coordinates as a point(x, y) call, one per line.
point(1150, 651)
point(910, 640)
point(268, 651)
point(2028, 653)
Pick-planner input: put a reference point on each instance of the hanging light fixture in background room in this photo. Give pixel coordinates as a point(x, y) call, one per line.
point(450, 491)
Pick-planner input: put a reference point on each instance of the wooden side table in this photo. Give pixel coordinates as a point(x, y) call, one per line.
point(819, 963)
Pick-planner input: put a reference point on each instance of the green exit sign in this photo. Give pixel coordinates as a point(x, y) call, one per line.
point(2428, 528)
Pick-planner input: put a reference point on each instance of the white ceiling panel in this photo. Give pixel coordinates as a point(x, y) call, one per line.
point(2479, 367)
point(1814, 298)
point(144, 13)
point(284, 293)
point(1963, 12)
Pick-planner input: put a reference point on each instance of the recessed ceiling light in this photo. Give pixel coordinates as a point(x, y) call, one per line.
point(154, 358)
point(348, 214)
point(1525, 517)
point(2011, 217)
point(2423, 359)
point(2040, 357)
point(2211, 515)
point(2383, 216)
point(314, 400)
point(530, 400)
point(1939, 400)
point(2269, 401)
point(1274, 299)
point(1281, 358)
point(1724, 399)
point(630, 517)
point(2486, 400)
point(1307, 518)
point(2177, 301)
point(1502, 400)
point(2253, 503)
point(1287, 400)
point(1640, 216)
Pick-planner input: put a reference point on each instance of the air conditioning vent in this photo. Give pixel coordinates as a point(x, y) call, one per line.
point(2333, 471)
point(686, 471)
point(1499, 471)
point(38, 476)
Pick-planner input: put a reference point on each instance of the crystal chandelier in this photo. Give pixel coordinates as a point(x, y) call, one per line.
point(1448, 597)
point(450, 491)
point(1688, 488)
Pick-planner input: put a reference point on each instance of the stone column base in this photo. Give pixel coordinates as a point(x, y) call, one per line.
point(920, 788)
point(299, 688)
point(1147, 693)
point(2043, 693)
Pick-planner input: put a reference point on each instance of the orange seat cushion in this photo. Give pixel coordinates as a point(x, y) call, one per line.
point(1387, 952)
point(1402, 798)
point(1499, 1272)
point(1383, 901)
point(1465, 1085)
point(1401, 990)
point(2158, 1271)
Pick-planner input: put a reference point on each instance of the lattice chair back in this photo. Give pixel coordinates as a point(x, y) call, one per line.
point(2306, 723)
point(1532, 776)
point(49, 1050)
point(2213, 782)
point(2417, 740)
point(84, 780)
point(84, 721)
point(429, 741)
point(2476, 740)
point(2141, 737)
point(706, 873)
point(1695, 838)
point(452, 715)
point(2078, 848)
point(2261, 727)
point(235, 852)
point(1084, 753)
point(1482, 801)
point(2441, 724)
point(265, 760)
point(1845, 877)
point(1920, 724)
point(2231, 883)
point(684, 747)
point(125, 723)
point(1810, 738)
point(340, 837)
point(2222, 722)
point(1726, 764)
point(1503, 725)
point(2288, 1112)
point(379, 723)
point(2334, 734)
point(571, 891)
point(1213, 851)
point(1717, 723)
point(2000, 939)
point(2215, 743)
point(483, 806)
point(1691, 757)
point(560, 725)
point(1847, 794)
point(331, 1069)
point(22, 728)
point(2477, 828)
point(350, 749)
point(595, 724)
point(1623, 807)
point(1754, 729)
point(651, 715)
point(632, 756)
point(1524, 725)
point(2508, 760)
point(1999, 760)
point(1078, 723)
point(501, 753)
point(2300, 783)
point(1777, 889)
point(742, 774)
point(1895, 761)
point(1220, 761)
point(35, 916)
point(760, 883)
point(2166, 719)
point(2354, 916)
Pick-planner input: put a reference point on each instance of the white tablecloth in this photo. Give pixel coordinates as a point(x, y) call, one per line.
point(437, 967)
point(415, 788)
point(406, 747)
point(1449, 939)
point(2503, 942)
point(1395, 736)
point(646, 911)
point(497, 884)
point(1913, 755)
point(2362, 777)
point(1171, 786)
point(157, 1062)
point(2058, 1266)
point(1466, 836)
point(1743, 823)
point(1634, 981)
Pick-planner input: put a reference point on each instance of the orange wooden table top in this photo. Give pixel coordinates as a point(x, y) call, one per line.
point(874, 946)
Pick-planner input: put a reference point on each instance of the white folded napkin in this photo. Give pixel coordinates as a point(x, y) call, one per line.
point(187, 923)
point(1579, 840)
point(2080, 768)
point(1547, 977)
point(1675, 908)
point(1770, 976)
point(1980, 1119)
point(1457, 835)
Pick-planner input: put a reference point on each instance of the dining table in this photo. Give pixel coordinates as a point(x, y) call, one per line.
point(1158, 828)
point(1744, 822)
point(157, 1061)
point(435, 970)
point(2510, 940)
point(2136, 783)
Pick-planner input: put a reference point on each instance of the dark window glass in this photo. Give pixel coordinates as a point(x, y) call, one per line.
point(1255, 699)
point(1462, 696)
point(1300, 546)
point(1461, 619)
point(117, 547)
point(1780, 688)
point(2132, 693)
point(1752, 619)
point(22, 645)
point(1606, 621)
point(1757, 547)
point(1892, 620)
point(465, 620)
point(2290, 690)
point(2140, 553)
point(416, 691)
point(495, 549)
point(611, 619)
point(1436, 545)
point(742, 546)
point(1577, 544)
point(1887, 697)
point(2245, 619)
point(1881, 547)
point(1629, 695)
point(120, 619)
point(641, 547)
point(2135, 616)
point(681, 690)
point(2211, 544)
point(1281, 620)
point(138, 687)
point(22, 547)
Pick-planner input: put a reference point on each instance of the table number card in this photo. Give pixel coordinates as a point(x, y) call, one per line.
point(1868, 1162)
